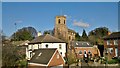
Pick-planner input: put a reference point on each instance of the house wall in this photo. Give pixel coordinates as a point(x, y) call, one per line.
point(56, 60)
point(119, 47)
point(28, 54)
point(116, 52)
point(111, 46)
point(35, 65)
point(62, 51)
point(56, 45)
point(71, 36)
point(94, 51)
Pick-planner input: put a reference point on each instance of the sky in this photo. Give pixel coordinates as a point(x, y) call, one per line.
point(60, 0)
point(41, 15)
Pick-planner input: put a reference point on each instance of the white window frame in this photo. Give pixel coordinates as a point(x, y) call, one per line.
point(109, 42)
point(115, 42)
point(111, 49)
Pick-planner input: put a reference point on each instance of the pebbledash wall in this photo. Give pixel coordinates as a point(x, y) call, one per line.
point(61, 47)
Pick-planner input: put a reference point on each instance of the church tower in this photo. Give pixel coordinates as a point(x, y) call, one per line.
point(61, 30)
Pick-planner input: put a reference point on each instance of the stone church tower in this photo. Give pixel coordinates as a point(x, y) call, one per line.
point(61, 30)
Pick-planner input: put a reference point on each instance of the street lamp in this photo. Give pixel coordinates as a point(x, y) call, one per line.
point(15, 30)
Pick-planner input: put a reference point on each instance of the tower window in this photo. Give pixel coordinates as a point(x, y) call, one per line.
point(69, 38)
point(64, 21)
point(59, 21)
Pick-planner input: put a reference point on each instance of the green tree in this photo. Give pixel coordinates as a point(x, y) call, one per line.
point(77, 37)
point(22, 35)
point(97, 34)
point(11, 56)
point(71, 57)
point(46, 32)
point(25, 33)
point(51, 32)
point(84, 36)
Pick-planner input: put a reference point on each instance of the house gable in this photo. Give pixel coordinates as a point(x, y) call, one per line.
point(56, 60)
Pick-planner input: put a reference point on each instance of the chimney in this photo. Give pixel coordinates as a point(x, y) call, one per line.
point(109, 32)
point(39, 34)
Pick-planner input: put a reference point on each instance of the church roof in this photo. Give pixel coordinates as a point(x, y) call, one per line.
point(80, 44)
point(70, 30)
point(46, 39)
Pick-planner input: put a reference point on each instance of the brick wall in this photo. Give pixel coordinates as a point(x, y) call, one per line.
point(119, 47)
point(93, 50)
point(56, 61)
point(110, 46)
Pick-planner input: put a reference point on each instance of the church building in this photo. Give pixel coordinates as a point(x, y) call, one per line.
point(61, 31)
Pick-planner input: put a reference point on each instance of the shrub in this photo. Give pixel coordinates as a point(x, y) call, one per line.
point(113, 61)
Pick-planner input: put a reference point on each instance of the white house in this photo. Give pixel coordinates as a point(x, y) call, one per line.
point(46, 41)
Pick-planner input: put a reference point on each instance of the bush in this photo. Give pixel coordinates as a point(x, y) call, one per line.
point(113, 61)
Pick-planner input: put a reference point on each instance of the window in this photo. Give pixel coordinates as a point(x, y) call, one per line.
point(109, 42)
point(76, 43)
point(58, 33)
point(116, 52)
point(89, 51)
point(59, 21)
point(57, 56)
point(39, 54)
point(30, 54)
point(60, 46)
point(115, 42)
point(38, 46)
point(110, 50)
point(106, 51)
point(61, 53)
point(69, 37)
point(80, 52)
point(64, 21)
point(32, 47)
point(46, 45)
point(85, 52)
